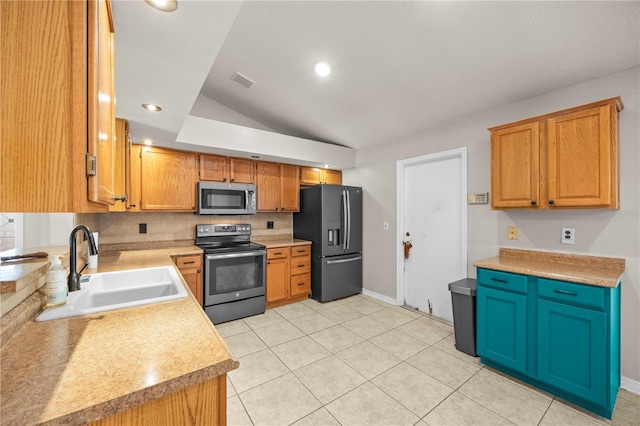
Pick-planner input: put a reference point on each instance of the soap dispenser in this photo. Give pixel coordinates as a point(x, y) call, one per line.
point(56, 283)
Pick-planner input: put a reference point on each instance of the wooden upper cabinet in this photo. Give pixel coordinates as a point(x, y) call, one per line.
point(214, 168)
point(122, 142)
point(566, 159)
point(515, 157)
point(133, 166)
point(332, 177)
point(168, 180)
point(582, 158)
point(289, 188)
point(48, 102)
point(278, 187)
point(268, 186)
point(317, 176)
point(227, 169)
point(242, 170)
point(101, 94)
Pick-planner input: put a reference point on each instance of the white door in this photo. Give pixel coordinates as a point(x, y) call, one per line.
point(434, 222)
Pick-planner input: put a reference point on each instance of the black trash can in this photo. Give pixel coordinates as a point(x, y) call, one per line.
point(463, 298)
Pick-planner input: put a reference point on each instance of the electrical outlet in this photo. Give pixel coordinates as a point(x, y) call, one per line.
point(385, 226)
point(568, 236)
point(512, 232)
point(142, 228)
point(269, 224)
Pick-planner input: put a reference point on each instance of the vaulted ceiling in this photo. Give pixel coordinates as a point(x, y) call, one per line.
point(398, 67)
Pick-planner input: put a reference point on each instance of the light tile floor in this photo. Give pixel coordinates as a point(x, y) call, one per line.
point(361, 361)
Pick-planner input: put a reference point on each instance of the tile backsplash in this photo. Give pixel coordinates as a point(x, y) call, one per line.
point(118, 228)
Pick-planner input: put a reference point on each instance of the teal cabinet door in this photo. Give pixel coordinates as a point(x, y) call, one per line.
point(572, 349)
point(502, 327)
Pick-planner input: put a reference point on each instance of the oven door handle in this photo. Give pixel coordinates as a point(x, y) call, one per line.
point(235, 255)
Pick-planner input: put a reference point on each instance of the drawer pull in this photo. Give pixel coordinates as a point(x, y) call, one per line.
point(189, 263)
point(499, 280)
point(301, 251)
point(570, 293)
point(300, 283)
point(301, 266)
point(278, 252)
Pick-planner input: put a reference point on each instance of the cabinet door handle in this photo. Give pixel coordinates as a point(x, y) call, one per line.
point(199, 271)
point(224, 180)
point(569, 293)
point(552, 202)
point(533, 203)
point(499, 280)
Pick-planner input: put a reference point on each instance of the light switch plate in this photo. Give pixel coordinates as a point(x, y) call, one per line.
point(385, 226)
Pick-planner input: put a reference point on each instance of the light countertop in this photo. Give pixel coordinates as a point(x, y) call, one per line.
point(280, 242)
point(591, 270)
point(76, 370)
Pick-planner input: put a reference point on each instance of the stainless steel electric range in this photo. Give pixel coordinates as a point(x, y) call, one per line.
point(234, 272)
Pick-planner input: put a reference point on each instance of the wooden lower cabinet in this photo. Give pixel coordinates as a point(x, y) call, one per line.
point(200, 404)
point(288, 275)
point(190, 266)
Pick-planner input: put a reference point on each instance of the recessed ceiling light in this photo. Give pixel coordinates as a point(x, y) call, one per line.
point(147, 142)
point(164, 5)
point(151, 107)
point(323, 69)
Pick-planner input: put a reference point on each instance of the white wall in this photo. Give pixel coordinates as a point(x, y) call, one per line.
point(209, 108)
point(598, 232)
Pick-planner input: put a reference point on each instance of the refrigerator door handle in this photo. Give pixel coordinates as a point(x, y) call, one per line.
point(348, 218)
point(352, 259)
point(345, 228)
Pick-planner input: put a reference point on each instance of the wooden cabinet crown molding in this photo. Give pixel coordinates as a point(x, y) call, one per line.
point(568, 159)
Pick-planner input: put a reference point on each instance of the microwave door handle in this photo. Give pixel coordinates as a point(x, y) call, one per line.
point(246, 198)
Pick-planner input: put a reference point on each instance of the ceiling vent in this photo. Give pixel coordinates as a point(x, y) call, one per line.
point(242, 79)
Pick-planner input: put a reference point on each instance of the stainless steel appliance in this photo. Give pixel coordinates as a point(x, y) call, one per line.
point(331, 217)
point(226, 198)
point(234, 272)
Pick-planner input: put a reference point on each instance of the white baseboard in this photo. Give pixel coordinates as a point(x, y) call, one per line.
point(379, 296)
point(630, 385)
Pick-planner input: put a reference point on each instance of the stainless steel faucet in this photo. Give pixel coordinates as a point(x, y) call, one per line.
point(73, 280)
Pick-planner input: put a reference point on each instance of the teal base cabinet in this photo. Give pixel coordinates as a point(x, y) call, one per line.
point(561, 337)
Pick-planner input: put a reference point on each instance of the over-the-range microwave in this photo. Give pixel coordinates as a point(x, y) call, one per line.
point(226, 198)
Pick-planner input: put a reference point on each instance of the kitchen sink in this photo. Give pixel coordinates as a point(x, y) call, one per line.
point(116, 290)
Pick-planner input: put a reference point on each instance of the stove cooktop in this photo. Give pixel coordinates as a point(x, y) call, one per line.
point(225, 238)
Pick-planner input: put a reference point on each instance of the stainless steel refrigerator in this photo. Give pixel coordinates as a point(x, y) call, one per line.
point(331, 218)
